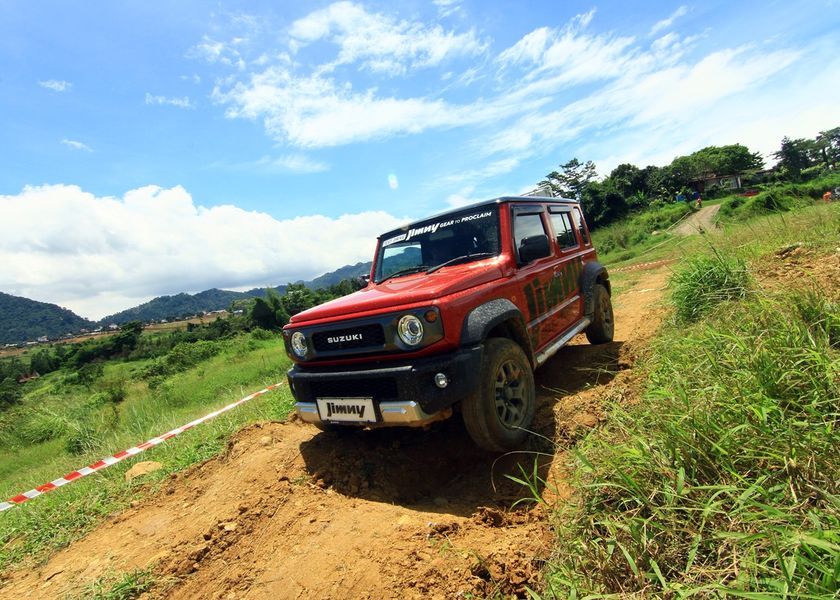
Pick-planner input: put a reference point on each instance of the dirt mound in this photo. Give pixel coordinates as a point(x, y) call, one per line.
point(288, 512)
point(798, 266)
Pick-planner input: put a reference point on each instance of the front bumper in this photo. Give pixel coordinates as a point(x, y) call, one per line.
point(403, 393)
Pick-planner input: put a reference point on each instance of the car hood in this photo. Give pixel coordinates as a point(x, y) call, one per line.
point(416, 288)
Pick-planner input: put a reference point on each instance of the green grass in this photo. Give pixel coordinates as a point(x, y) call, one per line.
point(777, 198)
point(638, 234)
point(703, 282)
point(79, 424)
point(121, 586)
point(722, 481)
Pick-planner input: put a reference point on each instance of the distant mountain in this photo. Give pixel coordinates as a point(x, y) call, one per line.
point(339, 275)
point(181, 305)
point(22, 319)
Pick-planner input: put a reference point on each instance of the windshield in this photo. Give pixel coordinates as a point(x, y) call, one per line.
point(470, 235)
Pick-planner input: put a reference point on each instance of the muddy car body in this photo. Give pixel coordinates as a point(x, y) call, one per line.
point(459, 310)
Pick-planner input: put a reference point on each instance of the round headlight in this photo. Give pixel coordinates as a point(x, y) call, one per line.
point(298, 344)
point(410, 330)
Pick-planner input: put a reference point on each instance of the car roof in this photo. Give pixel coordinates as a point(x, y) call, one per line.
point(483, 203)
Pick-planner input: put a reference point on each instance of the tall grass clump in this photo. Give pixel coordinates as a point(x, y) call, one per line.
point(705, 282)
point(723, 480)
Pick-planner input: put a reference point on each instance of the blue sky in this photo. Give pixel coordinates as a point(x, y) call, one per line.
point(150, 148)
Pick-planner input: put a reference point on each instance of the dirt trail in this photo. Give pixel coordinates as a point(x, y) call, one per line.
point(288, 512)
point(702, 220)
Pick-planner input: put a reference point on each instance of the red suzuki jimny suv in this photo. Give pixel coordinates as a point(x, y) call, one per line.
point(459, 310)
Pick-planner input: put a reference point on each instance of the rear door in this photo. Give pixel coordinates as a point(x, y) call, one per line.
point(569, 250)
point(534, 279)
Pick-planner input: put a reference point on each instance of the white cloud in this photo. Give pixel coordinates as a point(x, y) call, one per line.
point(316, 111)
point(56, 85)
point(569, 55)
point(651, 94)
point(153, 241)
point(448, 8)
point(292, 163)
point(381, 43)
point(214, 51)
point(667, 22)
point(462, 198)
point(76, 145)
point(498, 167)
point(163, 100)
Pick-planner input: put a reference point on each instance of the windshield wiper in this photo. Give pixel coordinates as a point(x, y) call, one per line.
point(463, 258)
point(406, 271)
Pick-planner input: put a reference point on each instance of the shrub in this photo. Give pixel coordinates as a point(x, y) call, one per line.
point(114, 389)
point(182, 357)
point(84, 438)
point(42, 426)
point(263, 334)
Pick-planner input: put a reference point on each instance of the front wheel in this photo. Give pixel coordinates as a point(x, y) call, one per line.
point(601, 329)
point(498, 415)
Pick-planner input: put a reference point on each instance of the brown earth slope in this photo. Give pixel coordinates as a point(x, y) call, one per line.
point(288, 512)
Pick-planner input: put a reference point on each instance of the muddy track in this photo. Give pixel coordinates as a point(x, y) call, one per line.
point(288, 512)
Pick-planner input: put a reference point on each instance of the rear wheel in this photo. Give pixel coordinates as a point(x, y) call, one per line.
point(601, 329)
point(499, 414)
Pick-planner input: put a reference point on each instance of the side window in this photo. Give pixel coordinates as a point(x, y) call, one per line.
point(525, 226)
point(579, 224)
point(562, 224)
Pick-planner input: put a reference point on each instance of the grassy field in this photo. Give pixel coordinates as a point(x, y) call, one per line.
point(722, 481)
point(62, 424)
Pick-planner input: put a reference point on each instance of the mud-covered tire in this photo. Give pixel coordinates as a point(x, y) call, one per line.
point(499, 415)
point(601, 330)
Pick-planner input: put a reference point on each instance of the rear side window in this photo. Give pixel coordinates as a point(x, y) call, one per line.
point(525, 226)
point(579, 224)
point(562, 224)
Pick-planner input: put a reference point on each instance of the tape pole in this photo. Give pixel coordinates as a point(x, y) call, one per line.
point(129, 452)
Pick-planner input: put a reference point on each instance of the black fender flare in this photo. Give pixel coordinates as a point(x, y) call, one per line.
point(593, 272)
point(483, 318)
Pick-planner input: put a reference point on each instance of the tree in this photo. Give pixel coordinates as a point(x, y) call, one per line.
point(269, 312)
point(631, 182)
point(9, 392)
point(827, 144)
point(43, 361)
point(736, 159)
point(571, 179)
point(126, 339)
point(602, 203)
point(793, 156)
point(297, 298)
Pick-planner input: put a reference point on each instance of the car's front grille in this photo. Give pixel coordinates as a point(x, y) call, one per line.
point(366, 336)
point(378, 388)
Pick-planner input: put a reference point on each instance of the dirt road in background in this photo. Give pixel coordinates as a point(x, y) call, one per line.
point(702, 220)
point(288, 512)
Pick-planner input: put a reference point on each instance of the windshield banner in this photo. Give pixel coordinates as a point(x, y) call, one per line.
point(433, 227)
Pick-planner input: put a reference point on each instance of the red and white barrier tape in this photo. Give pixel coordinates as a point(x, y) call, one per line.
point(120, 456)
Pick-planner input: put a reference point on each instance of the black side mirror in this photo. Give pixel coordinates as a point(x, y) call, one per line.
point(534, 247)
point(364, 279)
